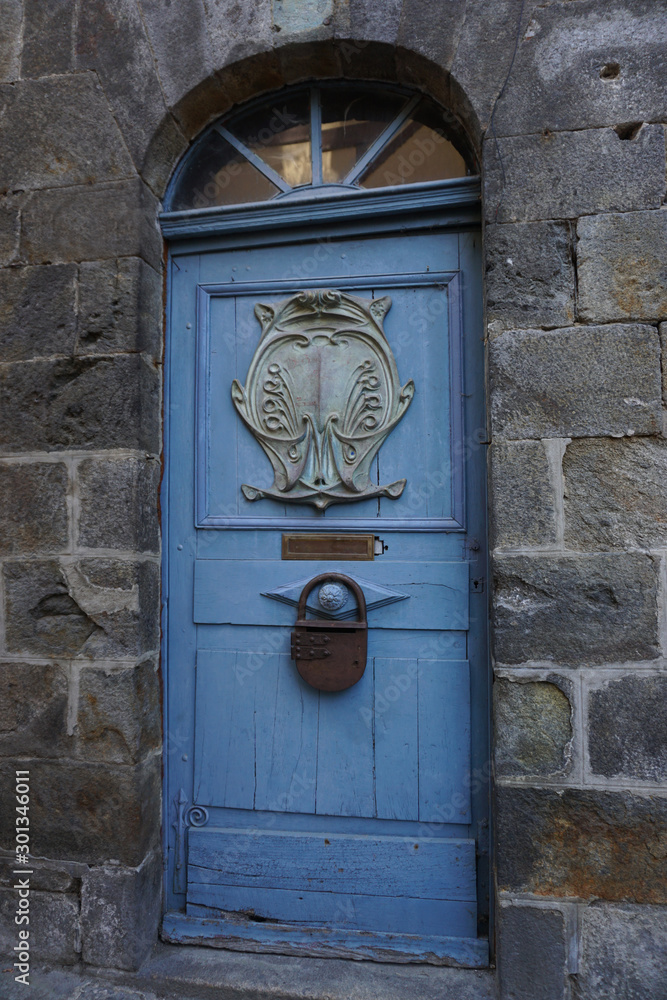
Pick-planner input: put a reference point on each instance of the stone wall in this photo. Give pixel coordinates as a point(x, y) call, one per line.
point(566, 103)
point(576, 244)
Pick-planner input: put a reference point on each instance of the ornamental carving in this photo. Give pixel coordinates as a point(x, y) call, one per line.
point(322, 394)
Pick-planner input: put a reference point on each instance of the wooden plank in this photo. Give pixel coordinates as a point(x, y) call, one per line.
point(396, 727)
point(224, 766)
point(363, 268)
point(402, 455)
point(444, 741)
point(418, 331)
point(381, 642)
point(256, 726)
point(286, 720)
point(345, 785)
point(437, 382)
point(217, 448)
point(380, 913)
point(251, 544)
point(426, 867)
point(461, 198)
point(179, 548)
point(325, 942)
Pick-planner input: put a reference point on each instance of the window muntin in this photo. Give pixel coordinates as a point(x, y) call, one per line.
point(280, 135)
point(219, 175)
point(319, 138)
point(417, 152)
point(351, 122)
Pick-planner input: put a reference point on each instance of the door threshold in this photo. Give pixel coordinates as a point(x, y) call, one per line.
point(177, 972)
point(240, 934)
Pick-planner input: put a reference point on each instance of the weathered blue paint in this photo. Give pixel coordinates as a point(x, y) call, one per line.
point(349, 822)
point(324, 940)
point(463, 195)
point(229, 592)
point(423, 293)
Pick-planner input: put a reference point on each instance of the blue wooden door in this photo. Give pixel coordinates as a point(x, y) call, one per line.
point(298, 820)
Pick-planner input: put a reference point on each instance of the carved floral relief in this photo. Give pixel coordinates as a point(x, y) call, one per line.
point(321, 395)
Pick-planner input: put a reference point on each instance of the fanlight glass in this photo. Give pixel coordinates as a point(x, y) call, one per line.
point(320, 138)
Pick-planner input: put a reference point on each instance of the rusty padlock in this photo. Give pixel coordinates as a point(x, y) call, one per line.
point(330, 655)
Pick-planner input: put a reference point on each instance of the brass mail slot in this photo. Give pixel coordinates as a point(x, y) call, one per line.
point(352, 547)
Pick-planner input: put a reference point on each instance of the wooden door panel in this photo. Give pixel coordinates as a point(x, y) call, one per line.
point(427, 867)
point(444, 742)
point(256, 725)
point(396, 745)
point(350, 258)
point(387, 642)
point(423, 327)
point(395, 724)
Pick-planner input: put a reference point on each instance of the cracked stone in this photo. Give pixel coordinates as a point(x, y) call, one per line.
point(47, 38)
point(91, 222)
point(529, 276)
point(33, 710)
point(523, 507)
point(88, 812)
point(97, 608)
point(531, 952)
point(120, 911)
point(585, 65)
point(54, 925)
point(118, 718)
point(37, 315)
point(98, 402)
point(119, 504)
point(558, 175)
point(58, 131)
point(623, 952)
point(622, 266)
point(614, 492)
point(120, 306)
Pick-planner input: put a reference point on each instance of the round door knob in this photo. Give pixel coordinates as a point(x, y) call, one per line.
point(333, 596)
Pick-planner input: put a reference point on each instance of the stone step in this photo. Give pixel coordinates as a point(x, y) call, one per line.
point(193, 973)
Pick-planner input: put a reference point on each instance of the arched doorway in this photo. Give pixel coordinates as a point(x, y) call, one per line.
point(325, 415)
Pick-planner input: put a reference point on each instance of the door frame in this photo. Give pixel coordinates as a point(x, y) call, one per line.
point(440, 205)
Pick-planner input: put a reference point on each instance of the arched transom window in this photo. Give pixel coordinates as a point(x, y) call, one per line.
point(324, 139)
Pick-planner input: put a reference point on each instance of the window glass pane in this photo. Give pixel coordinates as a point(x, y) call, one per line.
point(418, 152)
point(216, 174)
point(279, 133)
point(351, 122)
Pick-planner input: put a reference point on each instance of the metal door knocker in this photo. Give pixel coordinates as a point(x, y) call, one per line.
point(331, 655)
